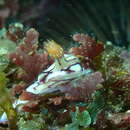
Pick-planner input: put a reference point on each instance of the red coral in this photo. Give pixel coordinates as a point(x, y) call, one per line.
point(27, 57)
point(18, 89)
point(32, 107)
point(122, 87)
point(79, 90)
point(83, 88)
point(56, 100)
point(28, 96)
point(101, 122)
point(89, 48)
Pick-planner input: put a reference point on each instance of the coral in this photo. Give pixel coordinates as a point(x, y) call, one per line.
point(29, 96)
point(27, 57)
point(56, 100)
point(15, 32)
point(122, 85)
point(17, 89)
point(82, 88)
point(119, 119)
point(32, 107)
point(88, 48)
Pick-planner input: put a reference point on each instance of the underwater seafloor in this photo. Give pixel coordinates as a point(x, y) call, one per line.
point(64, 65)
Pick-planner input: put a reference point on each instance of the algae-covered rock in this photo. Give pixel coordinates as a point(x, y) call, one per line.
point(6, 47)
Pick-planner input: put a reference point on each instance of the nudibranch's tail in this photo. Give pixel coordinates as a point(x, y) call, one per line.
point(54, 50)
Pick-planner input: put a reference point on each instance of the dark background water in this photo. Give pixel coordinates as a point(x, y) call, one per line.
point(106, 20)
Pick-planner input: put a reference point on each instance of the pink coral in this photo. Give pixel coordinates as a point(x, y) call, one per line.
point(29, 96)
point(83, 88)
point(56, 100)
point(122, 87)
point(79, 90)
point(88, 49)
point(27, 57)
point(18, 89)
point(32, 107)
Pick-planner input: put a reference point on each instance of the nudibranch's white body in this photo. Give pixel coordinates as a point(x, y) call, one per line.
point(63, 70)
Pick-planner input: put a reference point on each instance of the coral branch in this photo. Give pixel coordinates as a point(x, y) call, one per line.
point(27, 57)
point(88, 48)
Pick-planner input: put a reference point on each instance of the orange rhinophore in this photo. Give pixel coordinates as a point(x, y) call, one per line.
point(54, 49)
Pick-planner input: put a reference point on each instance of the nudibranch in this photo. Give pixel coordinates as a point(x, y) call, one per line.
point(66, 68)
